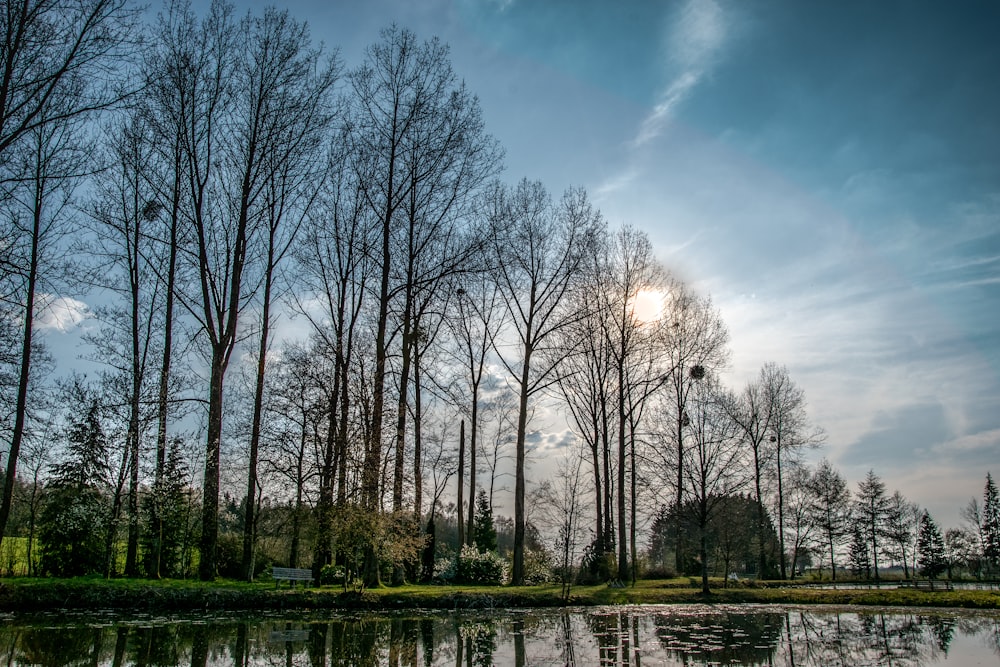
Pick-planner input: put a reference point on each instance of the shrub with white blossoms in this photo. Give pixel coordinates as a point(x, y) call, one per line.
point(475, 567)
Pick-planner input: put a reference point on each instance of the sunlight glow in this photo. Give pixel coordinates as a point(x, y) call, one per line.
point(648, 305)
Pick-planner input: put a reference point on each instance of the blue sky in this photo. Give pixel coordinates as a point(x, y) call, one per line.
point(829, 172)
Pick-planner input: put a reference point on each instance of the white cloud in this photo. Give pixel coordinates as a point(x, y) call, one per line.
point(61, 313)
point(694, 41)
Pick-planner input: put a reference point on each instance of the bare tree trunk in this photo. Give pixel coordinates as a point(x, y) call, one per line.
point(258, 408)
point(461, 478)
point(24, 374)
point(470, 533)
point(517, 575)
point(207, 568)
point(781, 513)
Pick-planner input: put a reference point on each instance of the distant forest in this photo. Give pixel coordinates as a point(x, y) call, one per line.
point(208, 181)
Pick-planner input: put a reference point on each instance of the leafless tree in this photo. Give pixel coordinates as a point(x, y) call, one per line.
point(291, 95)
point(695, 344)
point(830, 509)
point(475, 321)
point(751, 410)
point(560, 510)
point(36, 219)
point(713, 463)
point(58, 61)
point(539, 249)
point(790, 433)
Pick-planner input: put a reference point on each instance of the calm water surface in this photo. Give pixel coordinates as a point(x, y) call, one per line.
point(601, 636)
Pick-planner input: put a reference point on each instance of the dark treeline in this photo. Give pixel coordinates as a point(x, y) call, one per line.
point(228, 180)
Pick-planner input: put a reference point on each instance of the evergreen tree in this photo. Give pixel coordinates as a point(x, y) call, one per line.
point(72, 527)
point(860, 561)
point(85, 463)
point(485, 531)
point(991, 525)
point(871, 510)
point(167, 510)
point(930, 547)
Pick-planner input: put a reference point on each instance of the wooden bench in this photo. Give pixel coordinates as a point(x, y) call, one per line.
point(928, 585)
point(291, 575)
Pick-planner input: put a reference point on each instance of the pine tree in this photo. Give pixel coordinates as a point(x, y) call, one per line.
point(871, 509)
point(861, 563)
point(85, 464)
point(991, 525)
point(167, 508)
point(486, 533)
point(930, 547)
point(73, 524)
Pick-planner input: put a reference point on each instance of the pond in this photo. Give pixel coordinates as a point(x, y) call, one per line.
point(600, 636)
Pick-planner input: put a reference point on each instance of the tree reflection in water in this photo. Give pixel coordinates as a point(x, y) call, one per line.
point(604, 637)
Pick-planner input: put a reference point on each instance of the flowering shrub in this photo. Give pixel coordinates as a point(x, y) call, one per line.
point(537, 567)
point(475, 567)
point(444, 569)
point(332, 574)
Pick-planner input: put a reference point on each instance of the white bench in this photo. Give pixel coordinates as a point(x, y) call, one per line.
point(291, 575)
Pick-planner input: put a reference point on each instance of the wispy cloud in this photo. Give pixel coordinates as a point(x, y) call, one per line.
point(694, 41)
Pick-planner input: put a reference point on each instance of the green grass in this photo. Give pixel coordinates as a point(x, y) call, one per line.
point(26, 594)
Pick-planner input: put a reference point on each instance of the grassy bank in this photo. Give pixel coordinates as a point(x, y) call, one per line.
point(35, 595)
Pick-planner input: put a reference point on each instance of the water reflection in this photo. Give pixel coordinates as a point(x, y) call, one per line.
point(609, 636)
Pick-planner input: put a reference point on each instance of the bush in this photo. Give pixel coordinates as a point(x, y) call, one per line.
point(444, 569)
point(332, 575)
point(537, 567)
point(474, 567)
point(71, 532)
point(597, 566)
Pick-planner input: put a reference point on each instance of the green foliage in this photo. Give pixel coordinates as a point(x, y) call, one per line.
point(475, 567)
point(861, 564)
point(991, 524)
point(485, 531)
point(930, 547)
point(168, 510)
point(71, 532)
point(85, 463)
point(538, 567)
point(73, 523)
point(332, 575)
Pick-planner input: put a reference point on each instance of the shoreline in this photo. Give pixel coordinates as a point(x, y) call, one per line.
point(30, 596)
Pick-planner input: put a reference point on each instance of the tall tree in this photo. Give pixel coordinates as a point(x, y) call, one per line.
point(58, 61)
point(930, 547)
point(991, 524)
point(752, 411)
point(830, 509)
point(713, 463)
point(584, 381)
point(419, 149)
point(126, 264)
point(696, 343)
point(333, 267)
point(36, 220)
point(901, 523)
point(629, 272)
point(871, 508)
point(474, 326)
point(790, 433)
point(539, 249)
point(290, 90)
